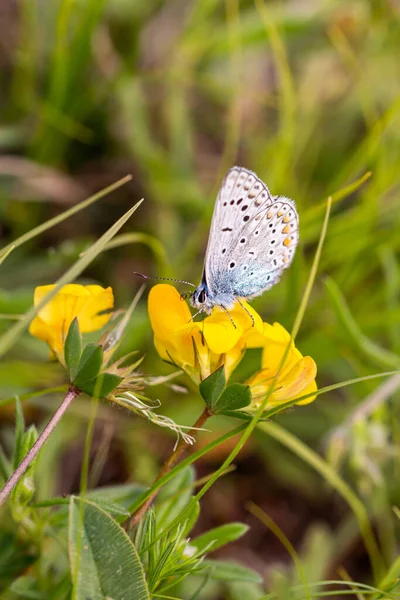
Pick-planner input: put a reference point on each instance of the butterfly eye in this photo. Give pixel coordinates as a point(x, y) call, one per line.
point(202, 296)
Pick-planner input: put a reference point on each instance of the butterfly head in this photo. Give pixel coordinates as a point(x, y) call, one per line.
point(200, 299)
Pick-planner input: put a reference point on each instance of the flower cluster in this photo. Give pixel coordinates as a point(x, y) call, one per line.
point(201, 347)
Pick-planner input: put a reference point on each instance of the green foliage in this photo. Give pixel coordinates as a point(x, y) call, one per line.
point(225, 571)
point(221, 400)
point(212, 387)
point(309, 100)
point(219, 536)
point(164, 545)
point(73, 349)
point(235, 397)
point(89, 364)
point(104, 562)
point(83, 365)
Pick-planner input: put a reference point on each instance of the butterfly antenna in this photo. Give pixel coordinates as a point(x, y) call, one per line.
point(164, 279)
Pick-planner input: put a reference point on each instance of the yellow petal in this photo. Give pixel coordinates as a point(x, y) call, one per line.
point(97, 301)
point(312, 387)
point(72, 300)
point(51, 335)
point(299, 378)
point(260, 383)
point(221, 336)
point(258, 337)
point(278, 347)
point(232, 358)
point(167, 310)
point(242, 314)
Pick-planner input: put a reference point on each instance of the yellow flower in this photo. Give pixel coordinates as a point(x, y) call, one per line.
point(297, 374)
point(198, 348)
point(82, 301)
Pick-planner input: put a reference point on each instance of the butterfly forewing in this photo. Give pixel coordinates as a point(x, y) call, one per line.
point(253, 236)
point(241, 196)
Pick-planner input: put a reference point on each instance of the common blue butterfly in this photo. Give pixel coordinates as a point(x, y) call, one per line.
point(253, 238)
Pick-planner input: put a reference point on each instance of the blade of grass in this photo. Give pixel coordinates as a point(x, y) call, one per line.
point(29, 395)
point(10, 337)
point(344, 192)
point(152, 242)
point(367, 589)
point(278, 533)
point(369, 348)
point(5, 252)
point(342, 571)
point(314, 267)
point(65, 215)
point(329, 474)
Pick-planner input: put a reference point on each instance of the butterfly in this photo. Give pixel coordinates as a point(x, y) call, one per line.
point(252, 239)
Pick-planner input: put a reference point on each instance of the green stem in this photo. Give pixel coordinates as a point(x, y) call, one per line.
point(167, 466)
point(329, 474)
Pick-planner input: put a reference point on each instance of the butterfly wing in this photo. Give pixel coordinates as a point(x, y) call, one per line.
point(252, 239)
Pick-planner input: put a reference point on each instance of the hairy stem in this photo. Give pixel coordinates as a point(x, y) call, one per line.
point(167, 466)
point(38, 445)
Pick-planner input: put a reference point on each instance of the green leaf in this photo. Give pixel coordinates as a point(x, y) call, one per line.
point(219, 536)
point(19, 432)
point(104, 562)
point(103, 385)
point(235, 396)
point(174, 497)
point(227, 571)
point(212, 387)
point(245, 590)
point(123, 494)
point(73, 349)
point(191, 517)
point(6, 467)
point(89, 364)
point(16, 556)
point(115, 510)
point(25, 488)
point(26, 587)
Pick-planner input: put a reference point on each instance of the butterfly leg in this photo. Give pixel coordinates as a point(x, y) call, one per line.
point(195, 314)
point(229, 315)
point(248, 312)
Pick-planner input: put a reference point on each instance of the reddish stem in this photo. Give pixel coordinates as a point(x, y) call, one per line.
point(38, 445)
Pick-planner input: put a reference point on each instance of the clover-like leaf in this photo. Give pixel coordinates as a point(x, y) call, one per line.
point(234, 397)
point(212, 387)
point(104, 561)
point(89, 365)
point(73, 349)
point(101, 386)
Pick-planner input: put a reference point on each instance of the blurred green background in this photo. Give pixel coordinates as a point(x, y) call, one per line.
point(306, 94)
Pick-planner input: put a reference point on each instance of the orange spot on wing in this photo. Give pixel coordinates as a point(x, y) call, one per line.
point(280, 213)
point(287, 241)
point(286, 229)
point(286, 219)
point(270, 214)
